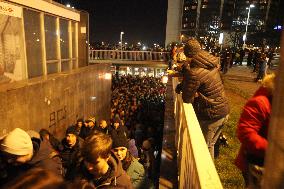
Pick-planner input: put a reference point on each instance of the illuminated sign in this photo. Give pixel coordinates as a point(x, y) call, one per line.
point(10, 10)
point(278, 27)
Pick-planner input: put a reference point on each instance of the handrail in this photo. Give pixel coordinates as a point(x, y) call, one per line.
point(195, 165)
point(128, 55)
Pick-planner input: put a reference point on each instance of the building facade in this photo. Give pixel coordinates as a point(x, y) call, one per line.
point(211, 17)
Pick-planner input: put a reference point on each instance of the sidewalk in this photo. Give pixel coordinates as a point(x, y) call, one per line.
point(242, 78)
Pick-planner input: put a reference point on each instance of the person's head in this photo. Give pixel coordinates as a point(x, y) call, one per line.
point(120, 146)
point(191, 48)
point(91, 121)
point(80, 122)
point(96, 151)
point(116, 122)
point(268, 82)
point(17, 147)
point(103, 124)
point(71, 136)
point(44, 134)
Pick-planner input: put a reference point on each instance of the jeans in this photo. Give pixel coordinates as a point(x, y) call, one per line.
point(211, 131)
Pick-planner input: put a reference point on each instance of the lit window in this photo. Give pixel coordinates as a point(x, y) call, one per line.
point(204, 6)
point(193, 7)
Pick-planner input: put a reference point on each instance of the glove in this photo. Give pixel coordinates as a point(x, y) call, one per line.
point(178, 88)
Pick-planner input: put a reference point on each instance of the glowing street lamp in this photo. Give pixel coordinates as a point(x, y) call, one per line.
point(245, 35)
point(121, 33)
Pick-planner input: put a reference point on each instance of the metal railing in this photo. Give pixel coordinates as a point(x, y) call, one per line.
point(129, 55)
point(196, 168)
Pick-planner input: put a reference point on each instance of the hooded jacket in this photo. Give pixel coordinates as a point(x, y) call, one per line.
point(202, 86)
point(115, 178)
point(252, 130)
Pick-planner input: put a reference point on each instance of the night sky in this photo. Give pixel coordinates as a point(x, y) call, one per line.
point(141, 20)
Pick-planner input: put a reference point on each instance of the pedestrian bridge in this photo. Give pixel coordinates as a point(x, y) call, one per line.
point(129, 57)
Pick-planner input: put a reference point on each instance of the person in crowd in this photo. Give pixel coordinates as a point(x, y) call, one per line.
point(88, 128)
point(250, 56)
point(147, 158)
point(130, 164)
point(37, 178)
point(18, 154)
point(262, 66)
point(103, 127)
point(255, 60)
point(70, 153)
point(100, 167)
point(252, 132)
point(54, 142)
point(202, 86)
point(78, 126)
point(118, 127)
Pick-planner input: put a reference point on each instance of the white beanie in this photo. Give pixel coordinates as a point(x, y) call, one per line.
point(17, 142)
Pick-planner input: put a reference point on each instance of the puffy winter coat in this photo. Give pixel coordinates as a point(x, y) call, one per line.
point(252, 130)
point(202, 86)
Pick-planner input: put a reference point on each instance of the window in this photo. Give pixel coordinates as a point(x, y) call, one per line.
point(204, 6)
point(193, 7)
point(33, 43)
point(51, 44)
point(64, 45)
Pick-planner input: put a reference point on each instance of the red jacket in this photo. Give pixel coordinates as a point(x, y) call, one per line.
point(252, 129)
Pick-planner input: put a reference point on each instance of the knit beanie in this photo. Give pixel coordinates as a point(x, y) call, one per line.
point(191, 48)
point(119, 140)
point(71, 130)
point(17, 142)
point(93, 119)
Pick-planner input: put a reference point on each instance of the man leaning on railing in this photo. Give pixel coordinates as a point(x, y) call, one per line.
point(202, 86)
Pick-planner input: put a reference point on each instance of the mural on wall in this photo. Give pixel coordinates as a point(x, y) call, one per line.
point(11, 44)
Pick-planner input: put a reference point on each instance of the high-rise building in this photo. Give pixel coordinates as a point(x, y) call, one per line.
point(210, 17)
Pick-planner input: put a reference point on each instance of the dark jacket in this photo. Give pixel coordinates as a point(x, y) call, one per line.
point(43, 157)
point(202, 86)
point(116, 177)
point(70, 158)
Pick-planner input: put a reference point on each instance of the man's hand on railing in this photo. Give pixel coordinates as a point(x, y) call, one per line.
point(178, 88)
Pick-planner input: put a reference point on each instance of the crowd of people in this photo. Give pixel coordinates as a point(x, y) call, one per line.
point(122, 152)
point(258, 59)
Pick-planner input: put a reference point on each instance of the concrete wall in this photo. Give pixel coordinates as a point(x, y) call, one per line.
point(173, 21)
point(55, 101)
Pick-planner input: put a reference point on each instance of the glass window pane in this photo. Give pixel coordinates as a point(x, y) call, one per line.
point(50, 37)
point(64, 39)
point(52, 68)
point(11, 49)
point(33, 43)
point(65, 66)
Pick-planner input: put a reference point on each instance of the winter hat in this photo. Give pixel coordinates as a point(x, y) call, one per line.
point(93, 119)
point(17, 142)
point(71, 130)
point(192, 47)
point(119, 140)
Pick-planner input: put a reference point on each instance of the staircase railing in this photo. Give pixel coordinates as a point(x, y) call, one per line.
point(196, 168)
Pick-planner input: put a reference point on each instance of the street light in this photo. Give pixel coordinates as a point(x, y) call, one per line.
point(121, 33)
point(245, 35)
